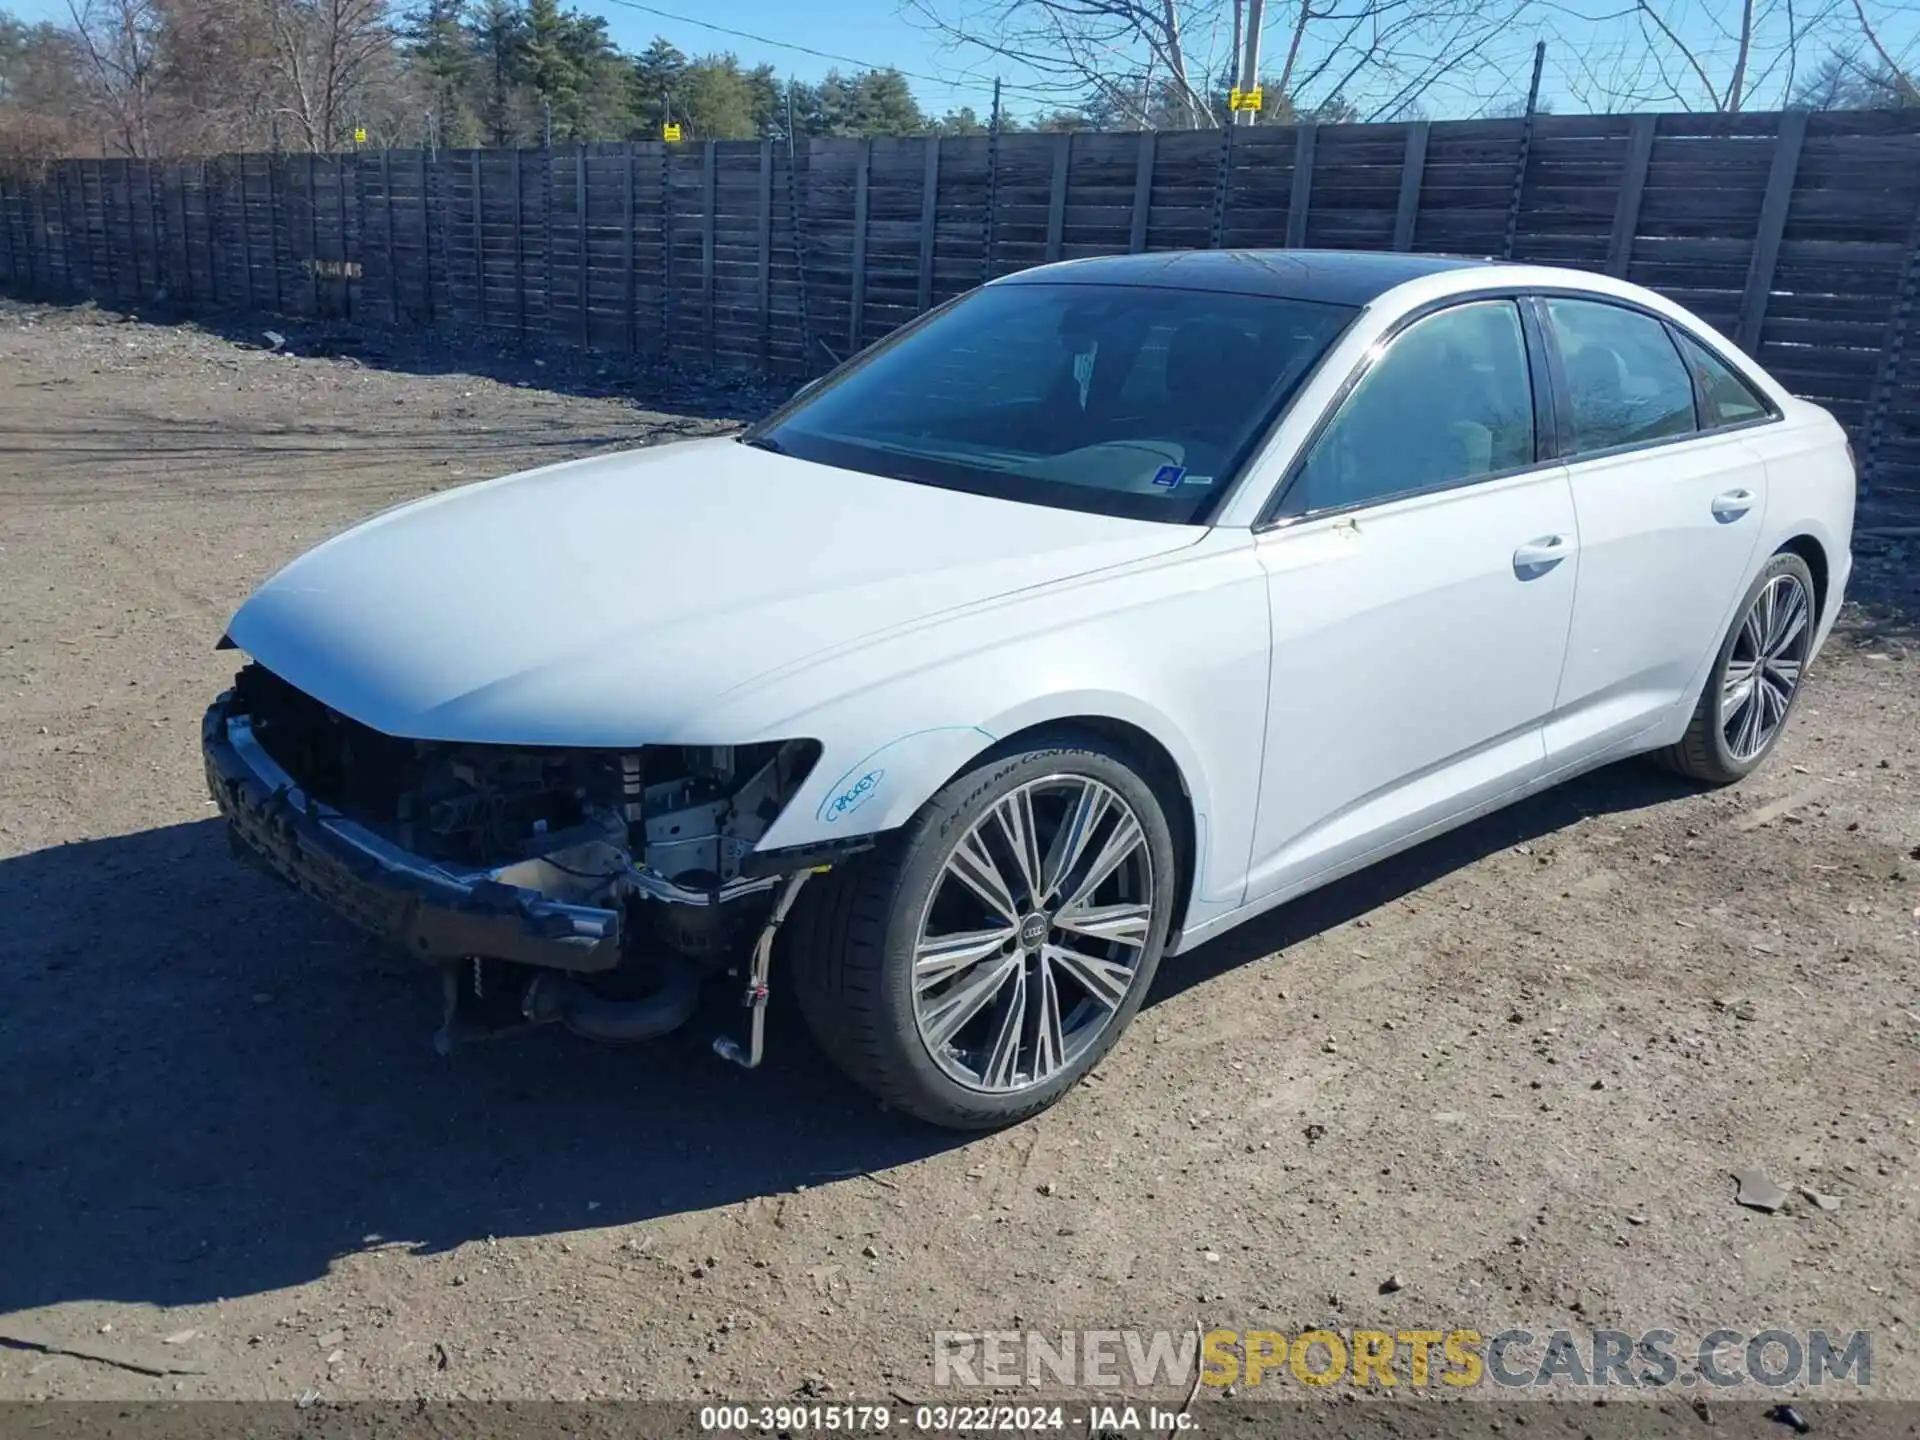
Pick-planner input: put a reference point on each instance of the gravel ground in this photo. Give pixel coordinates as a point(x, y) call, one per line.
point(1514, 1070)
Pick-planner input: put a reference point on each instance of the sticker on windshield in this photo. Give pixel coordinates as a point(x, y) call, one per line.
point(1168, 475)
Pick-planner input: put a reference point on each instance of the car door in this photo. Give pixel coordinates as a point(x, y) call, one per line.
point(1669, 514)
point(1421, 577)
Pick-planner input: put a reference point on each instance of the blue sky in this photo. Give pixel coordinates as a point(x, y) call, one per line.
point(868, 33)
point(880, 33)
point(1591, 61)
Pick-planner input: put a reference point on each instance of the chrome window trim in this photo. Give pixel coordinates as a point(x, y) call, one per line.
point(1547, 448)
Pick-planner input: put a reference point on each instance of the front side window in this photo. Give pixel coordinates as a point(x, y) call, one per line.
point(1725, 398)
point(1625, 382)
point(1123, 399)
point(1449, 401)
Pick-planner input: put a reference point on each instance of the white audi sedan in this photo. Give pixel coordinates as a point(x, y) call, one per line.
point(1091, 615)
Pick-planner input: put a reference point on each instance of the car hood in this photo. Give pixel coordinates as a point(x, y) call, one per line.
point(610, 601)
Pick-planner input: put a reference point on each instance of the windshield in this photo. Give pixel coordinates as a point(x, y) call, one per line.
point(1126, 400)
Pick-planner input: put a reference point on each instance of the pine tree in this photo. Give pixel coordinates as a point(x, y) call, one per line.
point(548, 68)
point(444, 56)
point(497, 37)
point(656, 77)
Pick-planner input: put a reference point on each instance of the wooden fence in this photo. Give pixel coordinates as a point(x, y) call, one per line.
point(1798, 235)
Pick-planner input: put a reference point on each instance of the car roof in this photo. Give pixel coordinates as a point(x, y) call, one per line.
point(1337, 277)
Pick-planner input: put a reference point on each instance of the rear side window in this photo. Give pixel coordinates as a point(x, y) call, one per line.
point(1448, 402)
point(1726, 399)
point(1625, 382)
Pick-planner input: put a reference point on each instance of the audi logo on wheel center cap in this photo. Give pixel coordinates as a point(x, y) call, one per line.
point(1033, 930)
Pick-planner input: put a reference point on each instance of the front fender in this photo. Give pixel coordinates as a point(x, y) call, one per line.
point(880, 790)
point(885, 786)
point(1178, 650)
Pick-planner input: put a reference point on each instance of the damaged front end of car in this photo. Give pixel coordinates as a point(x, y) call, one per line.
point(588, 887)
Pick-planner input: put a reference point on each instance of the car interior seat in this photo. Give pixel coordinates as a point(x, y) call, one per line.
point(1213, 382)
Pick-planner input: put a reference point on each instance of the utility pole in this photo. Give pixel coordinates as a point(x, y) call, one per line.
point(1239, 34)
point(1249, 61)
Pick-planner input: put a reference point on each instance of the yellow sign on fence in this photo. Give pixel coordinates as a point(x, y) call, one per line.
point(1238, 99)
point(359, 134)
point(669, 132)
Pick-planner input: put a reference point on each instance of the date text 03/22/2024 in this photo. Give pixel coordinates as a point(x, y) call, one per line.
point(942, 1419)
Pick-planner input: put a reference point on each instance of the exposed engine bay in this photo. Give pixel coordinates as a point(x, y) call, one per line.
point(659, 841)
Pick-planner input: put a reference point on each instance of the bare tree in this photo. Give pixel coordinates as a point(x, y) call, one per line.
point(1098, 49)
point(1729, 95)
point(217, 89)
point(324, 54)
point(1696, 54)
point(118, 46)
point(1389, 56)
point(1160, 62)
point(1893, 74)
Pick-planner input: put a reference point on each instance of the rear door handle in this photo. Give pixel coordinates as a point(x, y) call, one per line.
point(1536, 557)
point(1730, 505)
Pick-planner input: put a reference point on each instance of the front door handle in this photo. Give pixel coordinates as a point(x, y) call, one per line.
point(1730, 505)
point(1536, 557)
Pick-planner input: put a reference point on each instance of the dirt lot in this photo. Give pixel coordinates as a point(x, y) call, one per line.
point(1515, 1069)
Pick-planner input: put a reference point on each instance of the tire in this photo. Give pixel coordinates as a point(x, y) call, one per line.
point(856, 939)
point(1706, 752)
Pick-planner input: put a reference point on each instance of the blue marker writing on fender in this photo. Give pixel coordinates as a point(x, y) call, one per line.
point(853, 797)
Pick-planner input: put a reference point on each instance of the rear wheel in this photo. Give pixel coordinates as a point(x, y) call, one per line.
point(987, 955)
point(1755, 678)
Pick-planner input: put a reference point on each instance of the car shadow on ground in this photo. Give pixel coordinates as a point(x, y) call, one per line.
point(209, 1088)
point(1618, 789)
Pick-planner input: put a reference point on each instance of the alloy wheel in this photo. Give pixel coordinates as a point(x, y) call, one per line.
point(1764, 667)
point(1031, 936)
